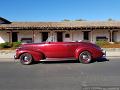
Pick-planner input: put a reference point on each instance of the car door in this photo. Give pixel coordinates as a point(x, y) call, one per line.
point(72, 46)
point(56, 50)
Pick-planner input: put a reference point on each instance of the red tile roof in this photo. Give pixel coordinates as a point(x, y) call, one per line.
point(70, 24)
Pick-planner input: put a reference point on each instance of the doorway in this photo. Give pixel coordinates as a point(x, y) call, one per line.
point(44, 36)
point(14, 36)
point(86, 35)
point(59, 36)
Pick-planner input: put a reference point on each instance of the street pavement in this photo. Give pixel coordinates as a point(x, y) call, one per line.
point(60, 75)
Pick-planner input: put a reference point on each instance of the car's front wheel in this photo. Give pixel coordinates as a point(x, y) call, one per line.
point(85, 57)
point(26, 59)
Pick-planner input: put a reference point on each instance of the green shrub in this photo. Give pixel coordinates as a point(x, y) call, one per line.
point(102, 43)
point(6, 45)
point(2, 45)
point(9, 45)
point(16, 44)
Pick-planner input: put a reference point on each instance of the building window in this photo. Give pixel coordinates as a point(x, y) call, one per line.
point(26, 40)
point(101, 38)
point(67, 35)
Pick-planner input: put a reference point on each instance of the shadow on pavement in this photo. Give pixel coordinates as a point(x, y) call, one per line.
point(70, 61)
point(102, 60)
point(57, 62)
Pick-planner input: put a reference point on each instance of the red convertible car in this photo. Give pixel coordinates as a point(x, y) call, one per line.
point(85, 52)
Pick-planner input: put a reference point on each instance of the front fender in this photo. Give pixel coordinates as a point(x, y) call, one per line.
point(36, 55)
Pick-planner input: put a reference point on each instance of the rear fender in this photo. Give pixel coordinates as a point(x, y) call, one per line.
point(37, 56)
point(79, 50)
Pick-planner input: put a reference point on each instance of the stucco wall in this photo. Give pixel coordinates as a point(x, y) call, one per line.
point(100, 33)
point(118, 36)
point(4, 36)
point(37, 37)
point(25, 34)
point(77, 35)
point(74, 35)
point(29, 34)
point(67, 39)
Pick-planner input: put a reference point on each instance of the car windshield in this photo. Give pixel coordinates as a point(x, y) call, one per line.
point(51, 39)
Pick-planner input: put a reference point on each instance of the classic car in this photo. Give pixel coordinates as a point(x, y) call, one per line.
point(85, 52)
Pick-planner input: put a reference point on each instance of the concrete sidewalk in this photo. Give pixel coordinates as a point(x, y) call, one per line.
point(7, 53)
point(11, 53)
point(112, 52)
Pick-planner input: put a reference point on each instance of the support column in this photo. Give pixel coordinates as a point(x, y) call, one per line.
point(33, 38)
point(53, 36)
point(72, 35)
point(91, 35)
point(10, 36)
point(111, 36)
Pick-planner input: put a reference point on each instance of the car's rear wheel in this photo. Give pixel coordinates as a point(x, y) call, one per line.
point(26, 59)
point(85, 57)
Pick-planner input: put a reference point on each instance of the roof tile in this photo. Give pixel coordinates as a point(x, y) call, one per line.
point(63, 24)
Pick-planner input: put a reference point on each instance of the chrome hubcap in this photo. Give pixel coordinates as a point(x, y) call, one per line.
point(85, 56)
point(26, 58)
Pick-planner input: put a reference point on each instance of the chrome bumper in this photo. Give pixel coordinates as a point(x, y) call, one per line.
point(15, 57)
point(104, 53)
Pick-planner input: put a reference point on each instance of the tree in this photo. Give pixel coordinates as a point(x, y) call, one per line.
point(80, 20)
point(110, 19)
point(66, 20)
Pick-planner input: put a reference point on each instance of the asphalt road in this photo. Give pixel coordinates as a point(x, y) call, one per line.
point(59, 75)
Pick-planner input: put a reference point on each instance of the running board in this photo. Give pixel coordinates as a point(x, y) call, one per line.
point(58, 59)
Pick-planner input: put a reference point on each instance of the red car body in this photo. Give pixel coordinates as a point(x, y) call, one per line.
point(55, 51)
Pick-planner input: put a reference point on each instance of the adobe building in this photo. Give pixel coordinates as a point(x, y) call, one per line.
point(36, 32)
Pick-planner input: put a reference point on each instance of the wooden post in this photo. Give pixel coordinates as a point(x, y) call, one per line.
point(33, 38)
point(111, 36)
point(72, 35)
point(10, 36)
point(91, 35)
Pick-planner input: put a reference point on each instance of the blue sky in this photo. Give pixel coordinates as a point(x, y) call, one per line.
point(57, 10)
